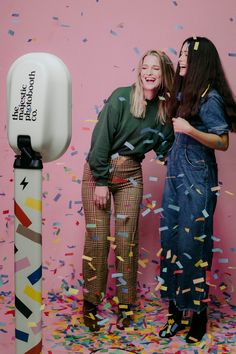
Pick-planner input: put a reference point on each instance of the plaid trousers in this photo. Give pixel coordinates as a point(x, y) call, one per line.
point(126, 188)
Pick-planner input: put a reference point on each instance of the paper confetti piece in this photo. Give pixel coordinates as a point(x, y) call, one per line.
point(153, 179)
point(120, 258)
point(196, 45)
point(172, 51)
point(91, 226)
point(159, 210)
point(137, 51)
point(223, 260)
point(205, 213)
point(174, 207)
point(145, 212)
point(11, 32)
point(130, 146)
point(230, 193)
point(86, 258)
point(198, 280)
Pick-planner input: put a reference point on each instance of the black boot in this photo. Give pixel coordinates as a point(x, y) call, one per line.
point(173, 325)
point(89, 313)
point(198, 327)
point(123, 320)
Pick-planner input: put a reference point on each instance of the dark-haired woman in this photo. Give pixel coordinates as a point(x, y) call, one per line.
point(204, 112)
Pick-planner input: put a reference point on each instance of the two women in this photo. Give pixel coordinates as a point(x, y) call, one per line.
point(203, 112)
point(132, 122)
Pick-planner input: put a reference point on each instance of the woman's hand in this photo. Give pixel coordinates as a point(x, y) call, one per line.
point(181, 125)
point(213, 141)
point(101, 196)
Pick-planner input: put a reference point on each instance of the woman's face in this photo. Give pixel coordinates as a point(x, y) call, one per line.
point(183, 58)
point(150, 75)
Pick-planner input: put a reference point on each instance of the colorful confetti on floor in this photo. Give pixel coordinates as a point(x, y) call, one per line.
point(64, 331)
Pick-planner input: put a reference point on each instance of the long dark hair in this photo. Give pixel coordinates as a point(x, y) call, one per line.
point(204, 73)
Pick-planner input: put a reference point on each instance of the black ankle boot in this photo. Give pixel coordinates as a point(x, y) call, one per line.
point(123, 320)
point(89, 314)
point(173, 325)
point(198, 327)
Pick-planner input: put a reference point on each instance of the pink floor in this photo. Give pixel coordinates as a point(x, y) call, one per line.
point(64, 331)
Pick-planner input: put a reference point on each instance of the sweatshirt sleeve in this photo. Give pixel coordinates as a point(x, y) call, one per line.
point(166, 139)
point(101, 144)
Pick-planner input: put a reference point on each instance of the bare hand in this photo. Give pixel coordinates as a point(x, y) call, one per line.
point(181, 125)
point(101, 196)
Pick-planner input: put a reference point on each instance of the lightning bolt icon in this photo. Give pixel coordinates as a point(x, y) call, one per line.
point(24, 183)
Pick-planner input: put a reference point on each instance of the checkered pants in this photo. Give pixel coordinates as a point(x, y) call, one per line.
point(126, 188)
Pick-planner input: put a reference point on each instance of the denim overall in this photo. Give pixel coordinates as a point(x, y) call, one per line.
point(188, 207)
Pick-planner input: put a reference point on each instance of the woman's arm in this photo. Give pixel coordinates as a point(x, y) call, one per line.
point(213, 141)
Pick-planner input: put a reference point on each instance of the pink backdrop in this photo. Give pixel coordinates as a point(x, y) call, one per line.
point(101, 42)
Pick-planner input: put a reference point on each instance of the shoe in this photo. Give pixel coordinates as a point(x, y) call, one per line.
point(198, 327)
point(89, 314)
point(124, 319)
point(170, 328)
point(173, 325)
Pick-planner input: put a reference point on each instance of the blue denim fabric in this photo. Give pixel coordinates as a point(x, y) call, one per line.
point(189, 203)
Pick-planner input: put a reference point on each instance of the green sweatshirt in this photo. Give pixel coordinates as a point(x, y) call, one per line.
point(119, 132)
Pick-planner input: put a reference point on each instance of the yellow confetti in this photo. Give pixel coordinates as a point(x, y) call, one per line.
point(142, 263)
point(123, 306)
point(198, 190)
point(120, 258)
point(174, 258)
point(168, 255)
point(200, 290)
point(159, 252)
point(32, 324)
point(187, 229)
point(111, 238)
point(91, 266)
point(73, 291)
point(204, 93)
point(56, 240)
point(198, 263)
point(86, 258)
point(34, 204)
point(164, 288)
point(115, 299)
point(196, 45)
point(196, 302)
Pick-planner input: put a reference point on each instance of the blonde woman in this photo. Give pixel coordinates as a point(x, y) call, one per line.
point(132, 122)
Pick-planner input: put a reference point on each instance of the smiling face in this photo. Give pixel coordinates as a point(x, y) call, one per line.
point(183, 59)
point(150, 75)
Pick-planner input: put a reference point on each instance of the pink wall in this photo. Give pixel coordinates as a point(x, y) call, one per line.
point(100, 42)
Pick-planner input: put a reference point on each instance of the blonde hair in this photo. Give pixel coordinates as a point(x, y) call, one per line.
point(137, 99)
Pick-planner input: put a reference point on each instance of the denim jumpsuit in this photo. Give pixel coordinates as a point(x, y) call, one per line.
point(188, 206)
